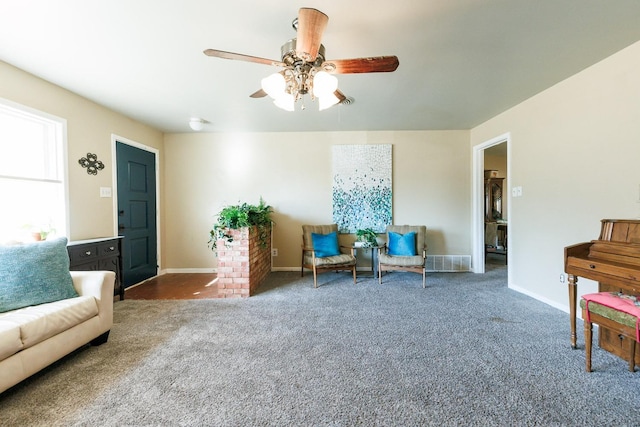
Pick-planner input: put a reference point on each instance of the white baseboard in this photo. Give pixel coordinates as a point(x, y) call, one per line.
point(273, 269)
point(554, 304)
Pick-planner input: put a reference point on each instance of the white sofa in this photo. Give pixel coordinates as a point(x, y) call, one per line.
point(33, 337)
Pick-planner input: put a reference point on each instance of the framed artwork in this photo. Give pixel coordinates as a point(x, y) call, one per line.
point(362, 187)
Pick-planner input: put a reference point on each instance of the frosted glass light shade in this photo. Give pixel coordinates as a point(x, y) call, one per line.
point(196, 123)
point(274, 85)
point(327, 101)
point(285, 101)
point(324, 84)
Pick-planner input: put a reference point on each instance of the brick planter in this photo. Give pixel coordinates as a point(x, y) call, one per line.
point(242, 264)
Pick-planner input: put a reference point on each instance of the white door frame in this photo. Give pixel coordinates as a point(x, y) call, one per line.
point(477, 213)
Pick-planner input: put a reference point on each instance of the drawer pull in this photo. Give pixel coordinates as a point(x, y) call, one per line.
point(111, 248)
point(87, 253)
point(592, 266)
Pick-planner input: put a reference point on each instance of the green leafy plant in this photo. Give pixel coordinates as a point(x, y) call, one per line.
point(368, 236)
point(234, 217)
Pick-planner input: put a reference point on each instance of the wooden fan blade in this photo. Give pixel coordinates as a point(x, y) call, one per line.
point(238, 56)
point(340, 95)
point(378, 64)
point(311, 25)
point(258, 94)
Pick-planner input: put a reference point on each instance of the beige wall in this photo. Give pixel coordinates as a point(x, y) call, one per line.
point(574, 150)
point(89, 129)
point(293, 173)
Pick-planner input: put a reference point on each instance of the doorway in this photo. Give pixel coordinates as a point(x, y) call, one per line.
point(496, 205)
point(136, 189)
point(490, 155)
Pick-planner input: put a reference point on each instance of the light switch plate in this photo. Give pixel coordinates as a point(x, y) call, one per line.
point(105, 191)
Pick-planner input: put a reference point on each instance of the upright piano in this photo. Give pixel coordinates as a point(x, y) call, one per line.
point(614, 262)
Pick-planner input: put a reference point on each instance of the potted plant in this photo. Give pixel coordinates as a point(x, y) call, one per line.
point(241, 240)
point(366, 237)
point(234, 217)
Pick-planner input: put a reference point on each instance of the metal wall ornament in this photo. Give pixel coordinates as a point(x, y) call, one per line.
point(92, 163)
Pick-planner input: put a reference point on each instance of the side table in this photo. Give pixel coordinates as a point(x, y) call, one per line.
point(374, 257)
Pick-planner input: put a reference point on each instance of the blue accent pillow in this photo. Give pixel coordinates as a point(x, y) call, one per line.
point(402, 245)
point(34, 273)
point(325, 245)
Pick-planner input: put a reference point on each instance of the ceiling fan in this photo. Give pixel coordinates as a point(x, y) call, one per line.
point(304, 67)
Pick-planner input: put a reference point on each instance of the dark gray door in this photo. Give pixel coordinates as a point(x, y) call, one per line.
point(137, 213)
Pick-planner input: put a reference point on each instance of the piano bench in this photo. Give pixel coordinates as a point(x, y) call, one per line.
point(618, 320)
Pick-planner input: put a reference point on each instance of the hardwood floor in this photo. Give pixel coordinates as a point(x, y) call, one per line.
point(176, 286)
point(203, 285)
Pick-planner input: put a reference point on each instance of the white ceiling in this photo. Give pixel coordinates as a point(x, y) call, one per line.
point(461, 62)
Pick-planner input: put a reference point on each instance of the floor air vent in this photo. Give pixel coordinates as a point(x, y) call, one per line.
point(448, 263)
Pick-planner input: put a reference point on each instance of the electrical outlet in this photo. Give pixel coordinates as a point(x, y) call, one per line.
point(274, 252)
point(562, 278)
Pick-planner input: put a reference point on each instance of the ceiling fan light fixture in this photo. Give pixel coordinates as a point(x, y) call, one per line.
point(274, 85)
point(324, 84)
point(327, 101)
point(285, 101)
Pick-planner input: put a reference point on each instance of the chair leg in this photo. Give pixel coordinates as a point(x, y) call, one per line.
point(354, 274)
point(424, 278)
point(632, 358)
point(315, 278)
point(588, 332)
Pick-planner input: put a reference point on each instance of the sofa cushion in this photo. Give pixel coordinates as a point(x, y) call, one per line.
point(10, 342)
point(34, 273)
point(39, 322)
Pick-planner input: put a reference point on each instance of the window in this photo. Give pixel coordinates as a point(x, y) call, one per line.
point(33, 190)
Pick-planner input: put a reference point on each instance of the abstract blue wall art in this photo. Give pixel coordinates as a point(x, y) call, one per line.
point(362, 187)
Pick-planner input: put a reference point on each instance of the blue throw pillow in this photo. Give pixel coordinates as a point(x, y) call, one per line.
point(34, 273)
point(325, 245)
point(402, 245)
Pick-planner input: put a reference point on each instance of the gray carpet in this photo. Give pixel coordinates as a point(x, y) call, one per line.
point(464, 351)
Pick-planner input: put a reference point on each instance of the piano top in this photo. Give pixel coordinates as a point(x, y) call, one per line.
point(614, 258)
point(620, 230)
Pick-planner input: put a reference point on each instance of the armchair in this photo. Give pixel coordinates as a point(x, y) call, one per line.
point(406, 250)
point(321, 252)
